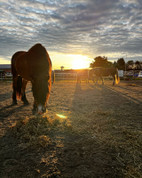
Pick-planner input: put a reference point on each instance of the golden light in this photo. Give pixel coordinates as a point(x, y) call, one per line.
point(61, 116)
point(69, 61)
point(79, 62)
point(4, 61)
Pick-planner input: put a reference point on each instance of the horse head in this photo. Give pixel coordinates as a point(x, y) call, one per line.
point(41, 90)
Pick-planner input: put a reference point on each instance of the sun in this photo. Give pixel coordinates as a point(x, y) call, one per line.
point(70, 61)
point(79, 62)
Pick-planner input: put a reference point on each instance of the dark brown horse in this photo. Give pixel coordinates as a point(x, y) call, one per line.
point(100, 72)
point(35, 66)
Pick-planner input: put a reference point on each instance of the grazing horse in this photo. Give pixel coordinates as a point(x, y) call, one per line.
point(35, 66)
point(100, 72)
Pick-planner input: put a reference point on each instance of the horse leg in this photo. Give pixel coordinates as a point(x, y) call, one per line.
point(113, 80)
point(102, 80)
point(34, 108)
point(14, 90)
point(24, 99)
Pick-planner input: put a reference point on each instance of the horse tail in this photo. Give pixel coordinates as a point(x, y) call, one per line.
point(117, 79)
point(19, 87)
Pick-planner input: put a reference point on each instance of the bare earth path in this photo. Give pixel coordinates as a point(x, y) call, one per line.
point(104, 138)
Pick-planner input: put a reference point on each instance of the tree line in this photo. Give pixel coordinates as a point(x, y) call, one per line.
point(100, 61)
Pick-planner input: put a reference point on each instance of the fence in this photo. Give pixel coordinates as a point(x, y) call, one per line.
point(58, 76)
point(65, 76)
point(5, 78)
point(62, 76)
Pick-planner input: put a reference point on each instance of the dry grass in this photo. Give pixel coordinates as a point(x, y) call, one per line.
point(99, 135)
point(38, 131)
point(124, 141)
point(38, 138)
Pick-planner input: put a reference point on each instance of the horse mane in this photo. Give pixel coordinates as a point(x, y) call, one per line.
point(36, 46)
point(38, 49)
point(39, 55)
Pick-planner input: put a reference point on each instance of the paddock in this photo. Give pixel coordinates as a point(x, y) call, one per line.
point(89, 131)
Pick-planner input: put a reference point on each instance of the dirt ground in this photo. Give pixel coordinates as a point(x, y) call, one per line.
point(89, 131)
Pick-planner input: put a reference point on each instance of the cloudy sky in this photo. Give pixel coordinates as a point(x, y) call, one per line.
point(72, 29)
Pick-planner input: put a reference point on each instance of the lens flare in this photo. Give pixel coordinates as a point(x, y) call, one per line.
point(61, 116)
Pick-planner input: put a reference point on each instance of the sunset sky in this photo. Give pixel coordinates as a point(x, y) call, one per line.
point(73, 31)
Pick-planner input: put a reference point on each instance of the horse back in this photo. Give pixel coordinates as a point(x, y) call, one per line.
point(14, 62)
point(33, 63)
point(100, 71)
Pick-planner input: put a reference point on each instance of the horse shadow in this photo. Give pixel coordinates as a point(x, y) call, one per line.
point(5, 96)
point(8, 110)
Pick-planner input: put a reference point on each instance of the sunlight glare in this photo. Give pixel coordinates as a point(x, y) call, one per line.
point(70, 61)
point(79, 62)
point(61, 116)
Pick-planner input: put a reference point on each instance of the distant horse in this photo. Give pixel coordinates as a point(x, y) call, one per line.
point(35, 66)
point(100, 72)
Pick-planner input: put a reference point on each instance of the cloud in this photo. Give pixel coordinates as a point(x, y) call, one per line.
point(92, 27)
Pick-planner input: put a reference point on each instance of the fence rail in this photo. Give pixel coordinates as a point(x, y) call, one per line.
point(65, 76)
point(72, 76)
